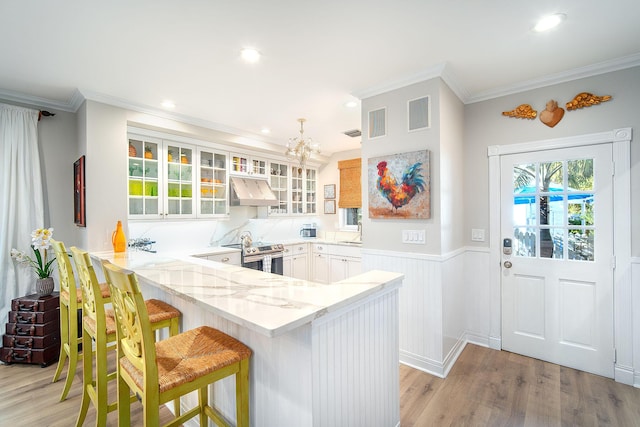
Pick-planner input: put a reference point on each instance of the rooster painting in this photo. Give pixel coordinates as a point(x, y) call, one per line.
point(391, 197)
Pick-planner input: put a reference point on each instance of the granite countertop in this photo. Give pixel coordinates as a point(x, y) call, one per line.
point(266, 303)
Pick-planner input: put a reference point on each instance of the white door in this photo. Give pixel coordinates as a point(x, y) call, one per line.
point(557, 283)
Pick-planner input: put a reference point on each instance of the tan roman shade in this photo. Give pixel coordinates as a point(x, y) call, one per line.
point(350, 187)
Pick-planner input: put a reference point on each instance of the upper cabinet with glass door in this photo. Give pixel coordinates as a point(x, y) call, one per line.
point(279, 180)
point(311, 184)
point(242, 164)
point(303, 190)
point(213, 179)
point(144, 189)
point(179, 180)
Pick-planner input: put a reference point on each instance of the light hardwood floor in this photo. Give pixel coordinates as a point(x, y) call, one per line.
point(29, 398)
point(497, 388)
point(485, 388)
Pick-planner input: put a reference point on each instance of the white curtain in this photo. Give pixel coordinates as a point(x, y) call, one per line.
point(21, 200)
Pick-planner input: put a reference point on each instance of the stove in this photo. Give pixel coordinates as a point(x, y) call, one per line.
point(255, 255)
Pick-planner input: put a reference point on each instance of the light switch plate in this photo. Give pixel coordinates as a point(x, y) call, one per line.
point(477, 234)
point(414, 237)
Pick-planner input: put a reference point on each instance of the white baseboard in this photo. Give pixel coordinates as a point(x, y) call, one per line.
point(623, 374)
point(422, 363)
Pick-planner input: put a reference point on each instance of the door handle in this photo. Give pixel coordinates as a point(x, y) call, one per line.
point(507, 264)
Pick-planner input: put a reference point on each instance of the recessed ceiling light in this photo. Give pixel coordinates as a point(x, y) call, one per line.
point(549, 22)
point(265, 131)
point(168, 104)
point(250, 55)
point(351, 104)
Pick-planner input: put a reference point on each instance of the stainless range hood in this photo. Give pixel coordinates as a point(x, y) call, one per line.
point(247, 191)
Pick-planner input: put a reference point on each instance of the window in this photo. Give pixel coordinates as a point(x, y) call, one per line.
point(350, 218)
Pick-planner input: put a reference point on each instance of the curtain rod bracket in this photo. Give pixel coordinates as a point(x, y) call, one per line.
point(45, 113)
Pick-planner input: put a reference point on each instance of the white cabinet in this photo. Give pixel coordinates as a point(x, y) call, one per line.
point(145, 177)
point(279, 180)
point(161, 178)
point(241, 164)
point(332, 263)
point(212, 183)
point(232, 258)
point(321, 267)
point(342, 267)
point(179, 180)
point(303, 190)
point(295, 261)
point(169, 179)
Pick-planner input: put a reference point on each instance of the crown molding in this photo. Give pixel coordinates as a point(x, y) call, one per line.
point(70, 106)
point(444, 72)
point(429, 73)
point(182, 118)
point(563, 77)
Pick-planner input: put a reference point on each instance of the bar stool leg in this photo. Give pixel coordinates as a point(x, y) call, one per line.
point(86, 378)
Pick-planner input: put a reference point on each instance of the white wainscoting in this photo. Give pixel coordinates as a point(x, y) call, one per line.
point(339, 370)
point(443, 304)
point(635, 292)
point(355, 365)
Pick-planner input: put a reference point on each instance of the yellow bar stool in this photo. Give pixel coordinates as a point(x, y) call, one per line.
point(70, 299)
point(99, 327)
point(159, 372)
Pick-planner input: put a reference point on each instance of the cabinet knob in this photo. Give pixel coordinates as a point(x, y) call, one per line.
point(225, 259)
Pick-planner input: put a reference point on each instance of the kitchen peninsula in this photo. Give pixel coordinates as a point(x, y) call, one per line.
point(324, 354)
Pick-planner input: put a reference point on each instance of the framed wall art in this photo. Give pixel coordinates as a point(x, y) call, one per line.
point(329, 206)
point(330, 191)
point(79, 212)
point(399, 186)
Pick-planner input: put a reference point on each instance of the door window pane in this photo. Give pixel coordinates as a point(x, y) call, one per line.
point(524, 242)
point(580, 244)
point(553, 209)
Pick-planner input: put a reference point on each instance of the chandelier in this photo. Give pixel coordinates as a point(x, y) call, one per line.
point(301, 149)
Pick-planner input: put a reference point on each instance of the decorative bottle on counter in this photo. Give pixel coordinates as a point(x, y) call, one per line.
point(118, 239)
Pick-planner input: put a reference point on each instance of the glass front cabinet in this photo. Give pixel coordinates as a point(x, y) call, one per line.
point(144, 181)
point(213, 183)
point(168, 179)
point(303, 190)
point(279, 181)
point(245, 165)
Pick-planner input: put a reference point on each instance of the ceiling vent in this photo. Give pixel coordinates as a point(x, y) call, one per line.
point(353, 133)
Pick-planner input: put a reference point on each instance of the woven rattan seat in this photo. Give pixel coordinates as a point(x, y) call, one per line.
point(159, 371)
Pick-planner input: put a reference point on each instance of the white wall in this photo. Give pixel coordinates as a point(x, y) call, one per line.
point(58, 149)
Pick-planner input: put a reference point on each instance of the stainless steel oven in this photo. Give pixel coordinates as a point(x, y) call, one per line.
point(256, 255)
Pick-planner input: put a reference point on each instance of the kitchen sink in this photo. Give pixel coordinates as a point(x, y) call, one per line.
point(350, 242)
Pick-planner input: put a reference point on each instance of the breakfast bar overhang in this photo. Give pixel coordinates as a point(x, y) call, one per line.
point(323, 354)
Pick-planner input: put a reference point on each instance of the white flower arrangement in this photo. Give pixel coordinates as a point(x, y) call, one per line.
point(40, 241)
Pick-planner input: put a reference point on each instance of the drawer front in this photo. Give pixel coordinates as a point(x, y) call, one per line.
point(291, 250)
point(232, 258)
point(33, 316)
point(27, 329)
point(36, 303)
point(27, 342)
